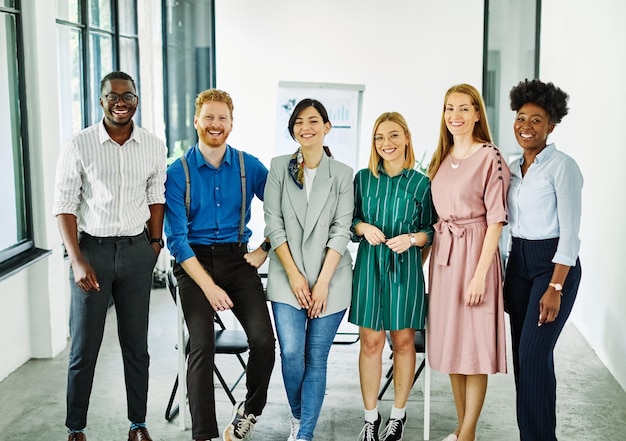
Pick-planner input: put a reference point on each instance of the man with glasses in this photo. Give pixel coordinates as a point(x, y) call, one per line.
point(109, 202)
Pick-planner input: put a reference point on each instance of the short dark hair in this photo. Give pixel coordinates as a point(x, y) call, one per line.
point(116, 75)
point(546, 95)
point(307, 102)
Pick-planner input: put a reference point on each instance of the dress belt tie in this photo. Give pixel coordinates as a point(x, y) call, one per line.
point(445, 229)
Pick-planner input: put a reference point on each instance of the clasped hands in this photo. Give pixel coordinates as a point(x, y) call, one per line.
point(374, 236)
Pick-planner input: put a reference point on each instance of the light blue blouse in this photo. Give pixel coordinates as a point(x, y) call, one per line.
point(546, 202)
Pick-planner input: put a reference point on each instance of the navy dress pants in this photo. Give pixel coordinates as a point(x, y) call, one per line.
point(528, 273)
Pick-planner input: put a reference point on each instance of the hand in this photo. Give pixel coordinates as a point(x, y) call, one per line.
point(475, 293)
point(372, 234)
point(300, 288)
point(256, 258)
point(319, 299)
point(549, 306)
point(399, 244)
point(218, 299)
point(85, 276)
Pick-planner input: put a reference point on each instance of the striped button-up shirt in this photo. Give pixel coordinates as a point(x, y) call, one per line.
point(109, 187)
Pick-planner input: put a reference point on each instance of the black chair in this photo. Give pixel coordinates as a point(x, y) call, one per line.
point(227, 341)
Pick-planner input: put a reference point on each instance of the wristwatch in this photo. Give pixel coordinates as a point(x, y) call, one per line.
point(412, 239)
point(159, 241)
point(266, 246)
point(557, 286)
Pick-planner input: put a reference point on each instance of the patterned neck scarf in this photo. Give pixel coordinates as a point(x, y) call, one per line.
point(296, 168)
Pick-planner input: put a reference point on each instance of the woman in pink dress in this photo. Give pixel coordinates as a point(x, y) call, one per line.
point(469, 181)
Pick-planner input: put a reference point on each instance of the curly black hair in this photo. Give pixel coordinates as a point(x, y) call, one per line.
point(546, 95)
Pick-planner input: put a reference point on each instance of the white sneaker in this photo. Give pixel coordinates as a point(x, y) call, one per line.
point(451, 437)
point(295, 427)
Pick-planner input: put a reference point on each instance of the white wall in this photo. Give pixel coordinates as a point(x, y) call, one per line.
point(583, 47)
point(407, 54)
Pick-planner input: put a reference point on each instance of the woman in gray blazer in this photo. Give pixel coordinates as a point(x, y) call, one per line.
point(308, 207)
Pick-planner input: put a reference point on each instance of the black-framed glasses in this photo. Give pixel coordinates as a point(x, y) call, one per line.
point(128, 98)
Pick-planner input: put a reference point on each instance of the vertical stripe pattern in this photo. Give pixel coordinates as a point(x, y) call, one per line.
point(109, 187)
point(388, 288)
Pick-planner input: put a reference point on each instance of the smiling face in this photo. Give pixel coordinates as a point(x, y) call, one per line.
point(460, 114)
point(390, 141)
point(309, 128)
point(532, 126)
point(213, 124)
point(118, 114)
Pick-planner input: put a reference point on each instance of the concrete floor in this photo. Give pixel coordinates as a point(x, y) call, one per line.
point(591, 404)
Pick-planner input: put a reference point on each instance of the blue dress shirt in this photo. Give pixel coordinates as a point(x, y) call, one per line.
point(215, 206)
point(546, 202)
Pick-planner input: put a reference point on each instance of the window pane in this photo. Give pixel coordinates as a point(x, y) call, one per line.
point(100, 64)
point(129, 63)
point(13, 222)
point(510, 57)
point(69, 10)
point(100, 15)
point(70, 81)
point(8, 3)
point(127, 17)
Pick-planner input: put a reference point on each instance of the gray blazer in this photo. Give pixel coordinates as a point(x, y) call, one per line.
point(310, 228)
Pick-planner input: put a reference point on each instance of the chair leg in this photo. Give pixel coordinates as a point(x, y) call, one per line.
point(170, 412)
point(224, 385)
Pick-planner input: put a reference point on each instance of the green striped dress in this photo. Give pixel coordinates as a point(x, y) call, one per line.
point(388, 288)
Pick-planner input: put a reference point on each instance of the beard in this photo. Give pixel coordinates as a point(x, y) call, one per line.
point(212, 140)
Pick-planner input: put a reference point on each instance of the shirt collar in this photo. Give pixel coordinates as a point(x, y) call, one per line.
point(543, 156)
point(381, 169)
point(103, 135)
point(229, 156)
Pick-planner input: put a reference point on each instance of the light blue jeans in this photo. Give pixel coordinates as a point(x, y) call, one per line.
point(304, 347)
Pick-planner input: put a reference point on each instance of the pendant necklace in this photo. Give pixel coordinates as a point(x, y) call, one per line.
point(455, 165)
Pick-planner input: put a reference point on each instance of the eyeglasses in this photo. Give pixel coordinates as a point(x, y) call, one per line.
point(128, 98)
point(394, 137)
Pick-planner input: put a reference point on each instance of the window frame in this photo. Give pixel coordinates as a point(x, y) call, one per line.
point(90, 86)
point(22, 251)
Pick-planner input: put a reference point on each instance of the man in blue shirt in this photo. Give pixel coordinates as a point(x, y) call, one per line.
point(208, 238)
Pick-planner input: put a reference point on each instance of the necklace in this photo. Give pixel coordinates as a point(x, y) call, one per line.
point(455, 165)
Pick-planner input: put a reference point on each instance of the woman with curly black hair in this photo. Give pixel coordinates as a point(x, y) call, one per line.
point(543, 269)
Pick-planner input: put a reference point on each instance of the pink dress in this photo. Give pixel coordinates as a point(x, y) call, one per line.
point(467, 339)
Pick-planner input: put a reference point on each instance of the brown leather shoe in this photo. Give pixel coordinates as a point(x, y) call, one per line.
point(140, 434)
point(77, 436)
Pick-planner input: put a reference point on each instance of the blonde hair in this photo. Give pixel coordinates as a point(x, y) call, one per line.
point(409, 155)
point(214, 95)
point(481, 131)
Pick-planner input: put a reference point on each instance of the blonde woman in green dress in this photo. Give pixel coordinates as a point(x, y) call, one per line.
point(393, 219)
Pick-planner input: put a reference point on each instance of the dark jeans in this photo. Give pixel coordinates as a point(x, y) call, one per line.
point(226, 265)
point(529, 270)
point(124, 267)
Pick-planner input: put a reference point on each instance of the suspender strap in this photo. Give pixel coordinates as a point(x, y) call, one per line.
point(242, 174)
point(183, 160)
